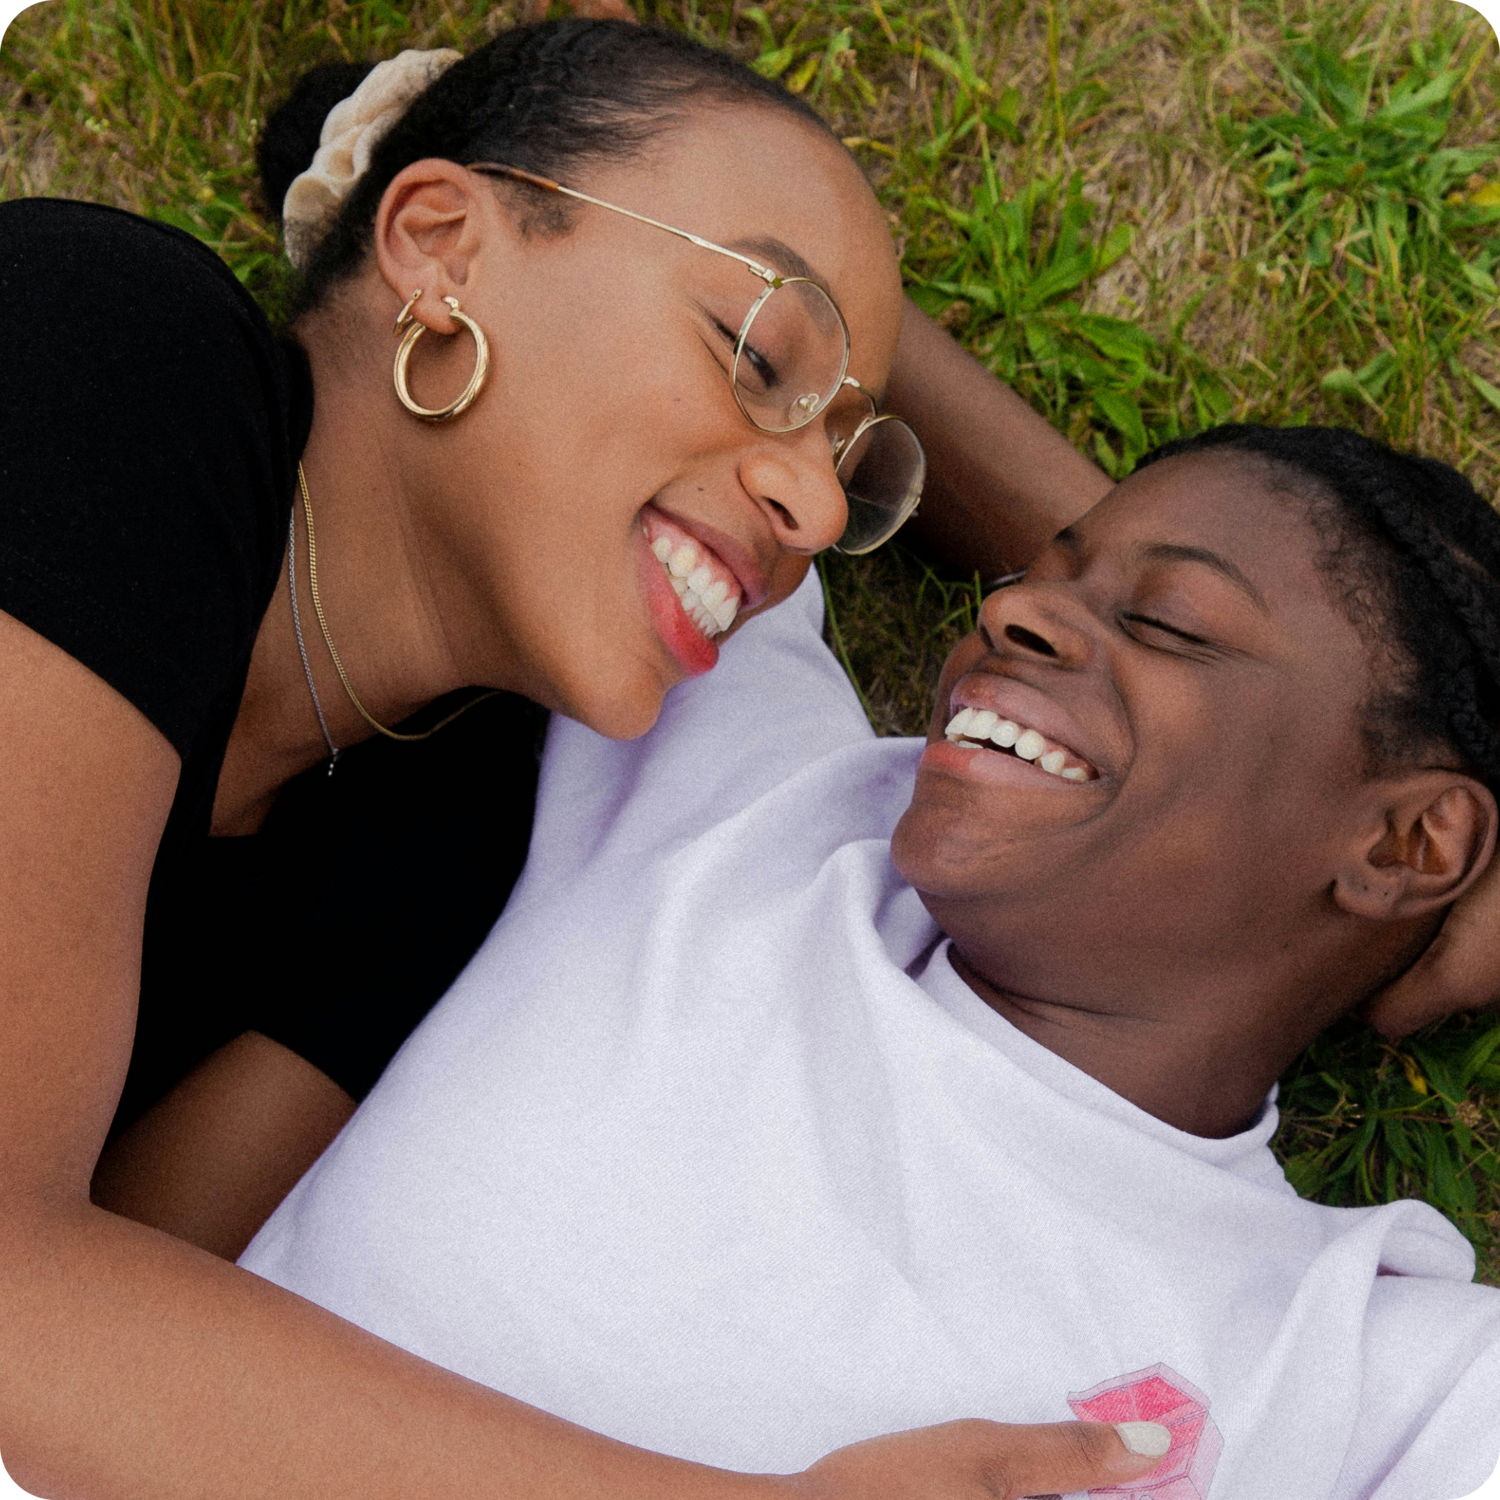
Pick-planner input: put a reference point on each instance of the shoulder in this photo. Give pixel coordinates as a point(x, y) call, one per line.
point(149, 430)
point(1429, 1415)
point(114, 310)
point(70, 247)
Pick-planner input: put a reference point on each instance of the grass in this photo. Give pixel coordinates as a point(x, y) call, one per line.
point(1148, 215)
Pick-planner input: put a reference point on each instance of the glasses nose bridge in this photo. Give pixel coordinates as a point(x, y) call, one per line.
point(794, 474)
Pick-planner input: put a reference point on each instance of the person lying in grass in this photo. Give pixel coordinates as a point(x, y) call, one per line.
point(791, 1103)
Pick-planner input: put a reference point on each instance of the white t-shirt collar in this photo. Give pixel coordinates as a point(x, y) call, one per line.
point(946, 987)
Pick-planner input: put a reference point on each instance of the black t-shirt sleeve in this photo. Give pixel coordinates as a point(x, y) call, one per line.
point(149, 427)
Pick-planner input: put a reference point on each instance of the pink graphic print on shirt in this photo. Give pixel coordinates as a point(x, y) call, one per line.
point(1160, 1395)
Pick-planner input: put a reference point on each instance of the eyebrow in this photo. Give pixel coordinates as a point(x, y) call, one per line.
point(782, 257)
point(1176, 552)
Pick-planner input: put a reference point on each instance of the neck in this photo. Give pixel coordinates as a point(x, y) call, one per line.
point(1205, 1083)
point(379, 592)
point(1194, 1032)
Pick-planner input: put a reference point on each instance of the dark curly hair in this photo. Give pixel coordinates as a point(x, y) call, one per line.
point(545, 97)
point(1412, 552)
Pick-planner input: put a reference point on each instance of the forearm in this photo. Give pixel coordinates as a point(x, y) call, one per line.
point(132, 1365)
point(1001, 481)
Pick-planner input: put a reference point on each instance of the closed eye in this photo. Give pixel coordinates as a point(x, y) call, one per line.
point(762, 370)
point(1182, 635)
point(728, 335)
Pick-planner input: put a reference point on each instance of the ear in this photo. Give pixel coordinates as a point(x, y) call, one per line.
point(1434, 836)
point(433, 222)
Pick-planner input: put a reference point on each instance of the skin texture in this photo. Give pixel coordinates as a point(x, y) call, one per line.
point(505, 548)
point(210, 1161)
point(1459, 969)
point(1001, 480)
point(1234, 878)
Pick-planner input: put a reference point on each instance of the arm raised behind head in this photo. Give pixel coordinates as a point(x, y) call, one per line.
point(1001, 480)
point(1459, 970)
point(132, 1364)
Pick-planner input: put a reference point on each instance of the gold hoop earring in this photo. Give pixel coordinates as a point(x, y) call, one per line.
point(466, 397)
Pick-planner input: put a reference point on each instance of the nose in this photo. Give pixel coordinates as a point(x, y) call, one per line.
point(791, 477)
point(1038, 621)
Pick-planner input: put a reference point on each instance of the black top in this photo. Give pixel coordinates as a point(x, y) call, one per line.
point(150, 426)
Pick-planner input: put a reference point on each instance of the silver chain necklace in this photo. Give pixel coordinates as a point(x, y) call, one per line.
point(312, 687)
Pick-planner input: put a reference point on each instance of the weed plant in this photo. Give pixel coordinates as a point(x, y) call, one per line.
point(1147, 215)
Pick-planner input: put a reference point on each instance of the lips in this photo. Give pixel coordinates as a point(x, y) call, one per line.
point(745, 566)
point(691, 593)
point(707, 590)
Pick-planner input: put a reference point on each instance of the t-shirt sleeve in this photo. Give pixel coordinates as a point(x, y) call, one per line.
point(146, 458)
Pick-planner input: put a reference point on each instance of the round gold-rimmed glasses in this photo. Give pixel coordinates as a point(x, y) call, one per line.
point(881, 466)
point(790, 362)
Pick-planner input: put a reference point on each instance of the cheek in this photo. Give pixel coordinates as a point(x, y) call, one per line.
point(786, 577)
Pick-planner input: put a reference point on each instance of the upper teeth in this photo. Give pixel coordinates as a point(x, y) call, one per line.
point(982, 724)
point(709, 602)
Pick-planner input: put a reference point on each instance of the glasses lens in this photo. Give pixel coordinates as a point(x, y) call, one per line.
point(791, 357)
point(882, 472)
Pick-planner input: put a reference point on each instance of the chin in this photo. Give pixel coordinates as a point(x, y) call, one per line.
point(622, 708)
point(963, 835)
point(938, 855)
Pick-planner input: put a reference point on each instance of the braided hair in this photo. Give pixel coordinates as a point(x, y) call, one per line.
point(1413, 555)
point(544, 97)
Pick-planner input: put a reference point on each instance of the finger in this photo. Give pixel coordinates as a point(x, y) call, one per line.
point(1459, 971)
point(1066, 1457)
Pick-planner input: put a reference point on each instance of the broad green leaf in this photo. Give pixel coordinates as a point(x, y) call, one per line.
point(774, 64)
point(1480, 280)
point(1423, 99)
point(1125, 415)
point(1484, 388)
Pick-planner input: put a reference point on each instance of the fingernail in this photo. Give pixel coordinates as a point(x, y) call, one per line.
point(1146, 1439)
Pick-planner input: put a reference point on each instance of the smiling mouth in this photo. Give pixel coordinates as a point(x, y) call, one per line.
point(709, 593)
point(982, 729)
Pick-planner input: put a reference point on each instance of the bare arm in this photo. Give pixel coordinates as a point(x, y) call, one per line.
point(209, 1162)
point(133, 1365)
point(1001, 481)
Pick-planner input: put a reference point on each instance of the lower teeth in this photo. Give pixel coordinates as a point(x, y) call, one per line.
point(1066, 773)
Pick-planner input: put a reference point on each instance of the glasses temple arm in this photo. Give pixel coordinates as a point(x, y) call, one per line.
point(549, 186)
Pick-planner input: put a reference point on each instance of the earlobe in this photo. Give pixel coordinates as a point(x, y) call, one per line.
point(1437, 837)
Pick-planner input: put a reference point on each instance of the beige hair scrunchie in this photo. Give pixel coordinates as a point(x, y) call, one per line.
point(353, 129)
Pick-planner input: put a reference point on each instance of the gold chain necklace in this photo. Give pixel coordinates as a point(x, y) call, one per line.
point(333, 651)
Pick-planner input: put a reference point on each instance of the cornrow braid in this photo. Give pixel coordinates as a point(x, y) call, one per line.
point(546, 97)
point(1413, 552)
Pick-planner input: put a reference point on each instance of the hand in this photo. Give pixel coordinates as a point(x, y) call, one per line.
point(979, 1460)
point(1459, 971)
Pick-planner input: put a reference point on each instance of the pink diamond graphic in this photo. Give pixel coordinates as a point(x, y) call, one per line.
point(1158, 1394)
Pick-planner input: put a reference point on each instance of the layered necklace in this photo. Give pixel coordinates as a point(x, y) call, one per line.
point(334, 751)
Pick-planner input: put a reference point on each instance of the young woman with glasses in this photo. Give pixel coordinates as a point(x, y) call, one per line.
point(522, 440)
